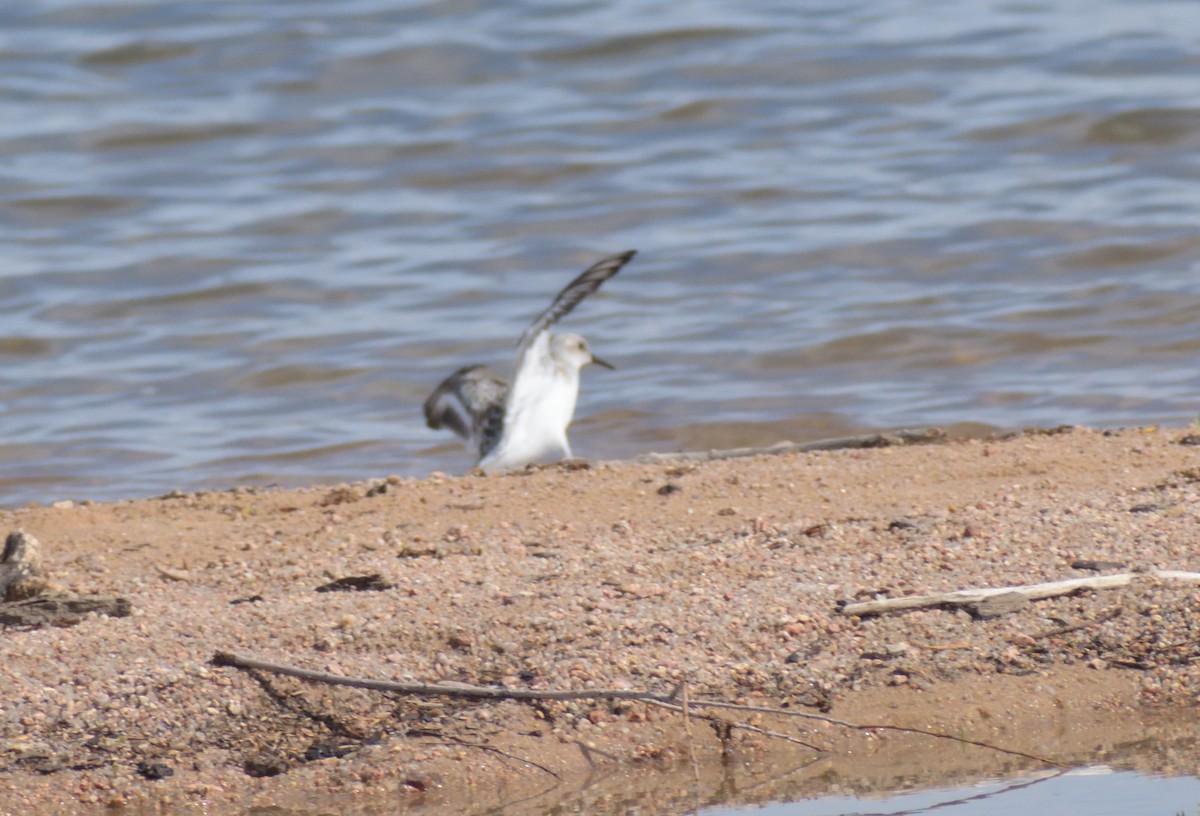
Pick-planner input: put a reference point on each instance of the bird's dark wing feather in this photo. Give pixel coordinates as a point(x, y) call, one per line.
point(575, 291)
point(469, 402)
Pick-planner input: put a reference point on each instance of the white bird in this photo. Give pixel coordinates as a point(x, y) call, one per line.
point(512, 427)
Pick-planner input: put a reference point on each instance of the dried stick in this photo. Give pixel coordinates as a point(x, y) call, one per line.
point(664, 701)
point(1032, 592)
point(428, 689)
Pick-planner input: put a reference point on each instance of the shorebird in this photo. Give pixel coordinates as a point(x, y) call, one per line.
point(510, 427)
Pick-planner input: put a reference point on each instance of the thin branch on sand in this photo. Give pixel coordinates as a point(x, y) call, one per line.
point(671, 702)
point(462, 690)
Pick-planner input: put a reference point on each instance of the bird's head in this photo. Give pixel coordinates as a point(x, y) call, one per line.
point(572, 350)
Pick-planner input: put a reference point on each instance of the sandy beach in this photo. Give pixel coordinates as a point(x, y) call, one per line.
point(726, 575)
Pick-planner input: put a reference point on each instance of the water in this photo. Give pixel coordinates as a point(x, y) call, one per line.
point(243, 240)
point(1093, 791)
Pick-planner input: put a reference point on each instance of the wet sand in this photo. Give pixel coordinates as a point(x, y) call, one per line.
point(726, 574)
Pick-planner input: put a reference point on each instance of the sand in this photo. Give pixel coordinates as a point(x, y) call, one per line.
point(723, 574)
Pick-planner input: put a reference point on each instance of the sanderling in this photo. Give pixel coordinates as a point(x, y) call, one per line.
point(513, 427)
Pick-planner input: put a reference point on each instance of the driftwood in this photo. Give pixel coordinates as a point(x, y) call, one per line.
point(997, 600)
point(25, 596)
point(924, 436)
point(672, 702)
point(61, 611)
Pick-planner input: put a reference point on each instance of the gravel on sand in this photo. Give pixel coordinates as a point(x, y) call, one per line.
point(726, 574)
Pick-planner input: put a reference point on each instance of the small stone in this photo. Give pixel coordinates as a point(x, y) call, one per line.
point(154, 770)
point(997, 605)
point(264, 764)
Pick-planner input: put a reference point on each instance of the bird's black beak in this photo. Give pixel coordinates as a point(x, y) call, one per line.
point(604, 363)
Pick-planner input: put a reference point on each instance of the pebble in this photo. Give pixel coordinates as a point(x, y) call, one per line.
point(715, 601)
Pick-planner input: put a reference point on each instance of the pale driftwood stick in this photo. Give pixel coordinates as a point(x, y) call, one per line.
point(429, 689)
point(1033, 592)
point(879, 440)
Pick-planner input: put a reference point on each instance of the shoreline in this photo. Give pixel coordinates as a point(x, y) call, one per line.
point(721, 572)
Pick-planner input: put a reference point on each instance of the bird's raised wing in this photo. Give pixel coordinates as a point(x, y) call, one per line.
point(574, 292)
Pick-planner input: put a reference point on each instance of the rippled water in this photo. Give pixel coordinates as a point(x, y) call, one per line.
point(1092, 791)
point(244, 239)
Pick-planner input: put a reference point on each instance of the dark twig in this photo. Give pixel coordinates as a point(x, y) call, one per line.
point(428, 689)
point(662, 701)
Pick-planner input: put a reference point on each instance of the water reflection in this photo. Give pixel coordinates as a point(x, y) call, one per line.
point(1091, 791)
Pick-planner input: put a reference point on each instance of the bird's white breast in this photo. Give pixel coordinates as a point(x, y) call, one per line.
point(539, 411)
